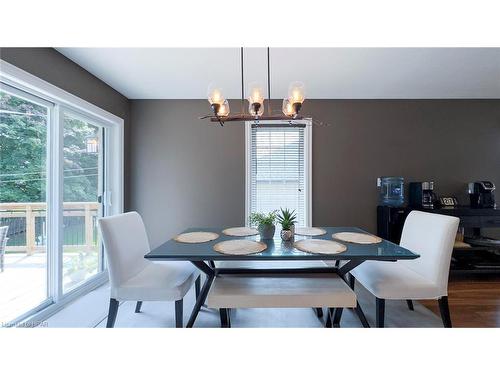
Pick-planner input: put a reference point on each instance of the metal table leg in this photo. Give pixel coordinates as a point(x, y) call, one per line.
point(343, 273)
point(210, 272)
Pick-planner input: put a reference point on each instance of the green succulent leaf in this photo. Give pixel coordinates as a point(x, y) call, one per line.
point(286, 218)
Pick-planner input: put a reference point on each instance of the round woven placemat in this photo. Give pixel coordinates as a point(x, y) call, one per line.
point(309, 231)
point(360, 238)
point(320, 246)
point(240, 231)
point(196, 237)
point(239, 247)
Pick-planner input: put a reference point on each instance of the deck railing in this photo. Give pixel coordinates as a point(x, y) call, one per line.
point(28, 229)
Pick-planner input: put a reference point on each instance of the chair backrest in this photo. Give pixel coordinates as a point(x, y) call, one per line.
point(432, 236)
point(125, 243)
point(3, 237)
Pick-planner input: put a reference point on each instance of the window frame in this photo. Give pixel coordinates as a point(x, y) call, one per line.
point(62, 101)
point(307, 163)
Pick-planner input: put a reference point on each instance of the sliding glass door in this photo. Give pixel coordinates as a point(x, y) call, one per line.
point(24, 260)
point(60, 162)
point(82, 198)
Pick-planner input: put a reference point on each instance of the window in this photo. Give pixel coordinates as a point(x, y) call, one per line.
point(278, 168)
point(61, 162)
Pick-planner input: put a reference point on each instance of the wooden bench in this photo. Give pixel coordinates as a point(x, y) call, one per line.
point(286, 291)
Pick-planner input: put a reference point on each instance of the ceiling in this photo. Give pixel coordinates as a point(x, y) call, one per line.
point(328, 73)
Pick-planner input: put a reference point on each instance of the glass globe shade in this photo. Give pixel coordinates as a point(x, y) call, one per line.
point(296, 93)
point(287, 108)
point(224, 109)
point(214, 95)
point(255, 94)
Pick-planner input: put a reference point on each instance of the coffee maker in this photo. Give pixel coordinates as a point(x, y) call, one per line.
point(481, 194)
point(422, 195)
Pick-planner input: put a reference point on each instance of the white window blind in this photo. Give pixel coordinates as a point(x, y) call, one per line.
point(278, 175)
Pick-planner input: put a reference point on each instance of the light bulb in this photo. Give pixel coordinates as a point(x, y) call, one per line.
point(256, 93)
point(215, 95)
point(256, 99)
point(296, 93)
point(256, 109)
point(287, 108)
point(223, 109)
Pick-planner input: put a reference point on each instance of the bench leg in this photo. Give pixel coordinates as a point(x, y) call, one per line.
point(224, 318)
point(222, 315)
point(329, 314)
point(333, 316)
point(336, 317)
point(409, 302)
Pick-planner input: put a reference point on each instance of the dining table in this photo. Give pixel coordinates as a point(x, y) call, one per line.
point(208, 261)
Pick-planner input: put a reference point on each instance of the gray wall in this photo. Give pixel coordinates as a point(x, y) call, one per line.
point(186, 172)
point(53, 67)
point(450, 142)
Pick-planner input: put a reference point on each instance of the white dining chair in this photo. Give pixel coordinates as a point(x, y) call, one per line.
point(133, 278)
point(430, 235)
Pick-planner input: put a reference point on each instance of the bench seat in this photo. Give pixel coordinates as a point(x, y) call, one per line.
point(290, 291)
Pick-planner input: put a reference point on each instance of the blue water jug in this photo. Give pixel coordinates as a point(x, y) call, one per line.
point(391, 191)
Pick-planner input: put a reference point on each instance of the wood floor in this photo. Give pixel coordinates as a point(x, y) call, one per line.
point(474, 300)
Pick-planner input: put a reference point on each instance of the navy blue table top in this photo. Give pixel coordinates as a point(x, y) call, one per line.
point(278, 249)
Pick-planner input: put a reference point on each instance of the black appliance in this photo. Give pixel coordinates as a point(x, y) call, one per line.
point(481, 194)
point(390, 221)
point(484, 253)
point(422, 195)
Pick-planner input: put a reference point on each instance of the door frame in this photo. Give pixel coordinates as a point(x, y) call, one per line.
point(113, 167)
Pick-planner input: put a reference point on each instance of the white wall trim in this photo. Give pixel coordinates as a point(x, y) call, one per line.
point(248, 140)
point(50, 92)
point(307, 161)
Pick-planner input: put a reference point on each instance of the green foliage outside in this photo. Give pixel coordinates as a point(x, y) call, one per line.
point(23, 154)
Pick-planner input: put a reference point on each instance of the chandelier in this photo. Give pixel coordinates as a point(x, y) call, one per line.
point(290, 109)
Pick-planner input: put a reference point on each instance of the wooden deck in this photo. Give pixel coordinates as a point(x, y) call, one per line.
point(23, 284)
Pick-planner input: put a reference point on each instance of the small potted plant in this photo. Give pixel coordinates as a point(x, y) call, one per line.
point(264, 223)
point(287, 219)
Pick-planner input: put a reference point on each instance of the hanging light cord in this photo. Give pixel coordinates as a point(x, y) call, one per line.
point(242, 85)
point(268, 82)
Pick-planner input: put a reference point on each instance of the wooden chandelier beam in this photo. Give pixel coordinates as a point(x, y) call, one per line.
point(253, 118)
